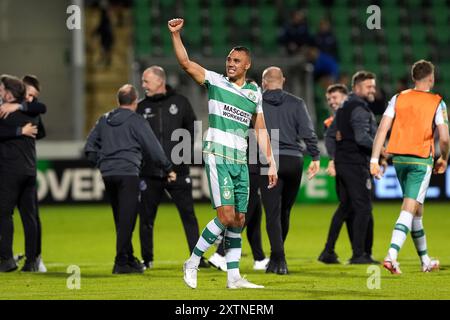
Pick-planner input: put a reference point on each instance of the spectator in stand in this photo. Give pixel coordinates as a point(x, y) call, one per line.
point(325, 39)
point(295, 34)
point(326, 69)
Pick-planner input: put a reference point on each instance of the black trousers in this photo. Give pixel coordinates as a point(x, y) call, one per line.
point(20, 191)
point(278, 202)
point(123, 194)
point(354, 189)
point(252, 220)
point(152, 190)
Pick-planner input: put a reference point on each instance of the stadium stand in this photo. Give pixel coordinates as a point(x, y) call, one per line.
point(215, 26)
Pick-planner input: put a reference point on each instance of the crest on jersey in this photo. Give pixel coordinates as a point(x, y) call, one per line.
point(173, 109)
point(252, 96)
point(226, 193)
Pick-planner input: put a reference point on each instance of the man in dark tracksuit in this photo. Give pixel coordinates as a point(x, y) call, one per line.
point(18, 183)
point(336, 95)
point(33, 90)
point(117, 144)
point(351, 135)
point(166, 111)
point(289, 115)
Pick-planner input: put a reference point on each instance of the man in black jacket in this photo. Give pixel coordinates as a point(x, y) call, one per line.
point(349, 142)
point(18, 183)
point(288, 114)
point(117, 145)
point(166, 111)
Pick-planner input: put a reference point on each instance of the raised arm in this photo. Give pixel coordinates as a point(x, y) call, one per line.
point(196, 71)
point(378, 143)
point(264, 144)
point(32, 108)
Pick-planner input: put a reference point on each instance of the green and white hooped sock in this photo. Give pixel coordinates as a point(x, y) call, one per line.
point(420, 241)
point(401, 229)
point(233, 250)
point(209, 235)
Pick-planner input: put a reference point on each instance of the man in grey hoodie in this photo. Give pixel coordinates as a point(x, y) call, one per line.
point(288, 114)
point(117, 145)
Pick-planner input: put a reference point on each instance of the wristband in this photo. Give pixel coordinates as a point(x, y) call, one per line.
point(374, 160)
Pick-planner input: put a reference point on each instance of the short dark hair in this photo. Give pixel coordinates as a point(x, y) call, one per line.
point(15, 86)
point(32, 80)
point(126, 95)
point(361, 76)
point(342, 88)
point(421, 69)
point(244, 49)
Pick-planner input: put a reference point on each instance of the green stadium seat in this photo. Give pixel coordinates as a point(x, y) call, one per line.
point(340, 16)
point(291, 4)
point(217, 14)
point(143, 49)
point(398, 71)
point(440, 14)
point(168, 3)
point(193, 34)
point(268, 39)
point(192, 13)
point(370, 52)
point(268, 15)
point(442, 38)
point(395, 53)
point(392, 34)
point(443, 70)
point(166, 44)
point(390, 16)
point(418, 34)
point(220, 50)
point(314, 15)
point(420, 51)
point(242, 16)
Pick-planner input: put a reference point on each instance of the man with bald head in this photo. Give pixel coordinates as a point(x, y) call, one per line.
point(117, 145)
point(166, 111)
point(288, 114)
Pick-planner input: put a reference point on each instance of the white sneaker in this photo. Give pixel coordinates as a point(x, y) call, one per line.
point(190, 275)
point(242, 283)
point(432, 266)
point(218, 261)
point(261, 264)
point(42, 268)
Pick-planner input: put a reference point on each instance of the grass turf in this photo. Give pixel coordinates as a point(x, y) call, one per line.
point(84, 236)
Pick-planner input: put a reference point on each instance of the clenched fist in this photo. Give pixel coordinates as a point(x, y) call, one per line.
point(175, 25)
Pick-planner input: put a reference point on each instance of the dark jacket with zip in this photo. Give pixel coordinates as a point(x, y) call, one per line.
point(18, 155)
point(288, 113)
point(355, 129)
point(165, 113)
point(119, 141)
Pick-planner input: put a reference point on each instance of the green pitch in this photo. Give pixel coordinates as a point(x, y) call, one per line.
point(84, 236)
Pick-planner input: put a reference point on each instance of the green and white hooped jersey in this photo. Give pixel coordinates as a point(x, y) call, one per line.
point(230, 113)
